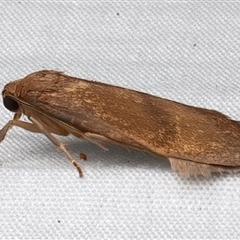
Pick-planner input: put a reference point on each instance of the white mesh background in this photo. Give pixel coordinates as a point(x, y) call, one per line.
point(185, 51)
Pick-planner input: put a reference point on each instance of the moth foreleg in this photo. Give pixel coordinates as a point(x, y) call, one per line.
point(25, 125)
point(56, 142)
point(16, 122)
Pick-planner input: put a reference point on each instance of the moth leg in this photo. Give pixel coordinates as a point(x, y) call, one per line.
point(5, 129)
point(15, 122)
point(9, 125)
point(94, 137)
point(59, 144)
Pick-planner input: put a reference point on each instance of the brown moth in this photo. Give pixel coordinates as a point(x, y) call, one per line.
point(196, 141)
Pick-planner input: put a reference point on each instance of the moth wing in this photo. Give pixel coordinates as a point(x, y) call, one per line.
point(188, 168)
point(179, 132)
point(51, 124)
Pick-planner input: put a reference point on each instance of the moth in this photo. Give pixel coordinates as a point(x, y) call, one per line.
point(196, 141)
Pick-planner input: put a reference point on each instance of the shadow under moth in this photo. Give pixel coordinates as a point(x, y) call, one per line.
point(196, 141)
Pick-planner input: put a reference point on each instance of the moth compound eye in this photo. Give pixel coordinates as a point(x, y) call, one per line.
point(10, 104)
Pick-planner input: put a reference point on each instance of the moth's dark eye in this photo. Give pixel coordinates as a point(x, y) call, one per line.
point(10, 104)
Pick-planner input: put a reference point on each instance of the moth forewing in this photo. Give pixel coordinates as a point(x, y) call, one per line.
point(196, 141)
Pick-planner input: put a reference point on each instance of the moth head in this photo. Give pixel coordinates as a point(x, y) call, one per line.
point(10, 104)
point(10, 94)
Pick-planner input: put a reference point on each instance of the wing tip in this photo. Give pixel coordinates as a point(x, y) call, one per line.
point(189, 169)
